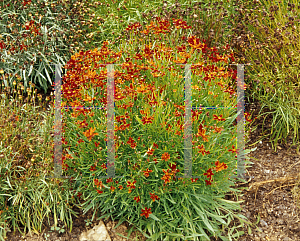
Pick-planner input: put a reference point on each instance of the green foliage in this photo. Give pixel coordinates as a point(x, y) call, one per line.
point(34, 37)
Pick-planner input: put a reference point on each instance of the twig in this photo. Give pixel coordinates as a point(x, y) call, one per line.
point(293, 165)
point(258, 184)
point(281, 187)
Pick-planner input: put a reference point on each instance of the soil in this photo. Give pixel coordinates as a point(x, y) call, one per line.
point(267, 196)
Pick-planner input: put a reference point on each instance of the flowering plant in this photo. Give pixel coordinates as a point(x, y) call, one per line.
point(149, 133)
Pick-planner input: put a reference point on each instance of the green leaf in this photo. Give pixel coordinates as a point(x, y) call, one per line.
point(238, 234)
point(139, 120)
point(171, 199)
point(48, 76)
point(149, 227)
point(138, 13)
point(30, 70)
point(24, 74)
point(154, 217)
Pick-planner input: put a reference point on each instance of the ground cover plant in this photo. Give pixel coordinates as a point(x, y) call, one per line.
point(23, 150)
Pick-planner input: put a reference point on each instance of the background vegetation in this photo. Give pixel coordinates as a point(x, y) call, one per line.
point(34, 35)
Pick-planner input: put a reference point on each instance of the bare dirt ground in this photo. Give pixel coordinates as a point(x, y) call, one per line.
point(268, 195)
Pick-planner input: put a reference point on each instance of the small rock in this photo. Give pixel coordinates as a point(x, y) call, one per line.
point(263, 223)
point(98, 232)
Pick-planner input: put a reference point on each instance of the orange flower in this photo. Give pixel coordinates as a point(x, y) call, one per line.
point(220, 166)
point(194, 42)
point(218, 130)
point(90, 133)
point(150, 152)
point(165, 156)
point(167, 177)
point(201, 132)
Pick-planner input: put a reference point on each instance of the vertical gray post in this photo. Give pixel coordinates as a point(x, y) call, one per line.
point(240, 122)
point(57, 126)
point(188, 124)
point(188, 131)
point(110, 122)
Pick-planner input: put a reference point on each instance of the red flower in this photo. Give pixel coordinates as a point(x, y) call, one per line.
point(195, 43)
point(194, 180)
point(208, 182)
point(109, 180)
point(247, 115)
point(131, 184)
point(137, 199)
point(233, 150)
point(146, 212)
point(147, 120)
point(112, 188)
point(219, 118)
point(153, 196)
point(180, 24)
point(202, 150)
point(209, 173)
point(146, 173)
point(80, 140)
point(150, 152)
point(173, 167)
point(93, 168)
